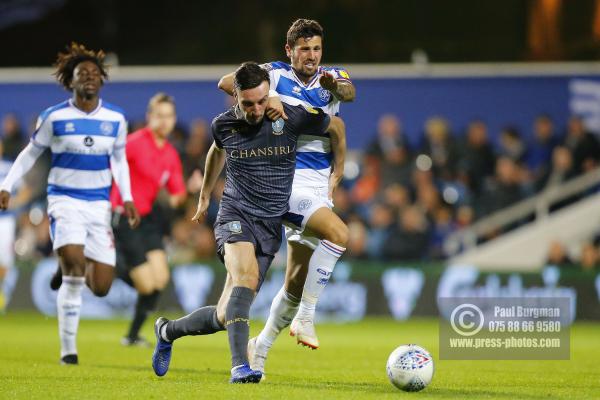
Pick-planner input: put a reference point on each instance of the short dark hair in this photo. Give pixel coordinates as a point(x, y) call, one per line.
point(303, 28)
point(250, 75)
point(76, 54)
point(158, 98)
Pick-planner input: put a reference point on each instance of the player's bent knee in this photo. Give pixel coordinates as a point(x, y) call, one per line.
point(73, 265)
point(161, 280)
point(248, 279)
point(100, 290)
point(144, 287)
point(338, 234)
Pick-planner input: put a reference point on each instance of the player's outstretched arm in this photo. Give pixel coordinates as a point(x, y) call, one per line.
point(226, 83)
point(343, 90)
point(337, 132)
point(21, 166)
point(120, 172)
point(215, 160)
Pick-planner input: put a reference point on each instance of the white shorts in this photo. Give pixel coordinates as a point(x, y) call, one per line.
point(87, 223)
point(8, 224)
point(304, 201)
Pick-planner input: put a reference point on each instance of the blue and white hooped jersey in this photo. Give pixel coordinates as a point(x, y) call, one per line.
point(81, 145)
point(313, 154)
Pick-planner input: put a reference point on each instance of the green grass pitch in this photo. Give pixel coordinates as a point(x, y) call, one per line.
point(349, 364)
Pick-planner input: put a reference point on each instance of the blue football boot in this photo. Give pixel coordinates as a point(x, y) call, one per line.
point(244, 374)
point(161, 358)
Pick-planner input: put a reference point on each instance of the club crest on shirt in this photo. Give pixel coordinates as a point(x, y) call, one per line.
point(106, 128)
point(278, 126)
point(304, 205)
point(296, 90)
point(88, 141)
point(235, 227)
point(324, 95)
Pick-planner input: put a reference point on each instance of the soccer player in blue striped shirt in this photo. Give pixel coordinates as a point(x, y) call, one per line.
point(86, 137)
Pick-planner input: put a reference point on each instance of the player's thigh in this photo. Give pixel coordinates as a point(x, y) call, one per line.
point(241, 264)
point(159, 265)
point(99, 240)
point(99, 277)
point(71, 259)
point(298, 257)
point(325, 224)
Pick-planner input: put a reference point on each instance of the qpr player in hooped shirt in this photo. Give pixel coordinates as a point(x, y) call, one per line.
point(86, 137)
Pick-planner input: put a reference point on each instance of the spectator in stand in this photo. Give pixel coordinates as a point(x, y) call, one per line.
point(440, 147)
point(477, 158)
point(465, 215)
point(421, 178)
point(443, 226)
point(12, 137)
point(542, 145)
point(590, 257)
point(409, 240)
point(562, 169)
point(380, 224)
point(178, 139)
point(512, 145)
point(196, 148)
point(357, 240)
point(557, 255)
point(366, 186)
point(342, 204)
point(397, 197)
point(503, 190)
point(390, 150)
point(429, 200)
point(583, 145)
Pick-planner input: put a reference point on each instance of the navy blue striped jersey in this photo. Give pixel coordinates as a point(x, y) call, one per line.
point(260, 159)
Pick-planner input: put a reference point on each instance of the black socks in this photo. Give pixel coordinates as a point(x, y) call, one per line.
point(237, 323)
point(144, 306)
point(203, 321)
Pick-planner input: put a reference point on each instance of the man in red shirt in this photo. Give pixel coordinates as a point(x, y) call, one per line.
point(153, 164)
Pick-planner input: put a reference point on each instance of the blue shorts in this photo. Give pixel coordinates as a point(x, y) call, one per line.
point(233, 225)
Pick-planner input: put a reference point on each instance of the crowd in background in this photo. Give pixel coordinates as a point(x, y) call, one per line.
point(401, 199)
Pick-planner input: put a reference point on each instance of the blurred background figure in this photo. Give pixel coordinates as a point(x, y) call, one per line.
point(13, 138)
point(583, 145)
point(390, 151)
point(441, 148)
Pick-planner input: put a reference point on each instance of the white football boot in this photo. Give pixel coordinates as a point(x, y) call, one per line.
point(256, 357)
point(305, 333)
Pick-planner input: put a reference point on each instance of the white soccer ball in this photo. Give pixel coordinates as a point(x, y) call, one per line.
point(410, 368)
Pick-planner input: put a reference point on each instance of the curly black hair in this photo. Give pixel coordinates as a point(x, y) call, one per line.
point(77, 53)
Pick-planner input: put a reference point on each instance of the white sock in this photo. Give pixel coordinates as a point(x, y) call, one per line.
point(163, 333)
point(68, 303)
point(283, 309)
point(320, 267)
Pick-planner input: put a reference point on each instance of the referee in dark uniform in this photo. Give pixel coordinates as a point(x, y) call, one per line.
point(260, 155)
